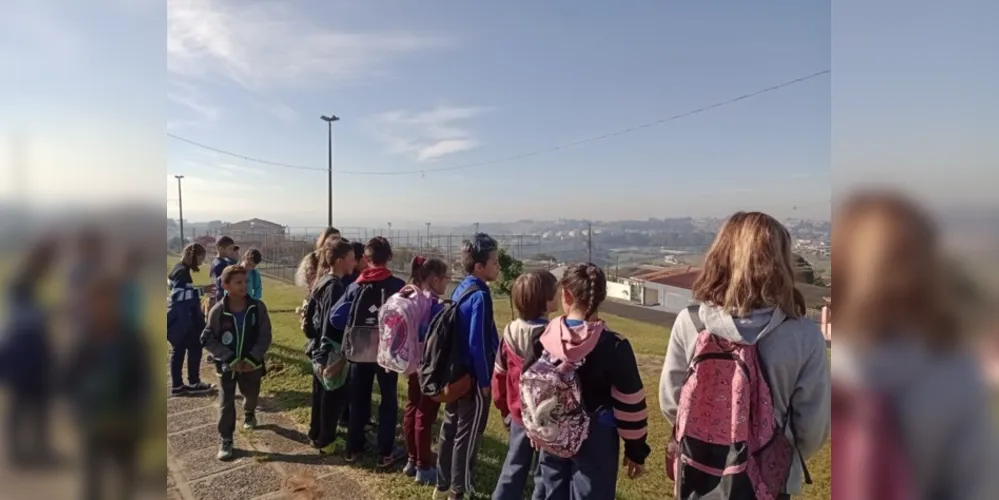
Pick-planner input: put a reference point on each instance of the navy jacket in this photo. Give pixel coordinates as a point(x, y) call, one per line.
point(184, 314)
point(219, 265)
point(341, 311)
point(477, 327)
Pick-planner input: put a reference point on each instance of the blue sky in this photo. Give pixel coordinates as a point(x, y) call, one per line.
point(419, 88)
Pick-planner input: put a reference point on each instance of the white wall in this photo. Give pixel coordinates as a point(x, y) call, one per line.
point(618, 291)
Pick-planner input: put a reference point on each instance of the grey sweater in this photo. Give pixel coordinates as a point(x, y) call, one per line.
point(794, 353)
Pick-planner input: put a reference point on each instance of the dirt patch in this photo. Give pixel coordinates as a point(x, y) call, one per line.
point(240, 484)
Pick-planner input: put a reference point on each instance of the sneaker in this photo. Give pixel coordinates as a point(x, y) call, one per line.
point(410, 469)
point(250, 422)
point(391, 459)
point(426, 477)
point(328, 449)
point(179, 390)
point(200, 388)
point(352, 457)
point(225, 451)
point(441, 494)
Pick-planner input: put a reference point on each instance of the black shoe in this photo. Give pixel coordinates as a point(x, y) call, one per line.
point(180, 390)
point(250, 421)
point(225, 451)
point(200, 388)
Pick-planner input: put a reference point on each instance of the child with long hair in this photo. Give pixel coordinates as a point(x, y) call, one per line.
point(611, 390)
point(534, 296)
point(336, 260)
point(431, 276)
point(305, 275)
point(747, 298)
point(185, 321)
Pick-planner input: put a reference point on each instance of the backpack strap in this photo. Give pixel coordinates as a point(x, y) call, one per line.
point(467, 293)
point(695, 317)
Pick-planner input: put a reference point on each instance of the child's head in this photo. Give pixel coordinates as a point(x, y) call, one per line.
point(326, 235)
point(480, 257)
point(358, 256)
point(534, 295)
point(252, 258)
point(337, 257)
point(234, 281)
point(430, 274)
point(750, 266)
point(226, 247)
point(378, 252)
point(194, 256)
point(103, 301)
point(584, 288)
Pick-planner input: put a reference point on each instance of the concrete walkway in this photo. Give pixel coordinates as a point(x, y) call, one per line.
point(274, 462)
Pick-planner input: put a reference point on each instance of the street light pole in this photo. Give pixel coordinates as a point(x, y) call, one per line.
point(180, 207)
point(428, 235)
point(329, 122)
point(390, 230)
point(476, 228)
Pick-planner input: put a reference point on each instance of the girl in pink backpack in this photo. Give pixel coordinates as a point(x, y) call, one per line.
point(431, 277)
point(745, 382)
point(581, 395)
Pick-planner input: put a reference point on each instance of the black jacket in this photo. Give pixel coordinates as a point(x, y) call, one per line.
point(328, 292)
point(229, 344)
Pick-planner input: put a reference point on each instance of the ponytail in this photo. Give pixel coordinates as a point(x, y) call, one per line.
point(421, 269)
point(306, 273)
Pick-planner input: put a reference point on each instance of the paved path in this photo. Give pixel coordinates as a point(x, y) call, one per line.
point(274, 462)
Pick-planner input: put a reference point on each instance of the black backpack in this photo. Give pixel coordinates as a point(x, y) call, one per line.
point(443, 374)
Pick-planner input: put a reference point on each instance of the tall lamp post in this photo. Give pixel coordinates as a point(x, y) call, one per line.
point(428, 235)
point(390, 231)
point(329, 122)
point(180, 208)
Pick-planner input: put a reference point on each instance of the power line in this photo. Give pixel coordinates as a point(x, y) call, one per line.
point(522, 155)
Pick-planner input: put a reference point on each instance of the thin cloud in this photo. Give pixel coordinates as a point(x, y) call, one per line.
point(271, 45)
point(427, 135)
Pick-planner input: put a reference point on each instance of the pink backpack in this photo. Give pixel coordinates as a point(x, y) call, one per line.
point(552, 408)
point(399, 321)
point(726, 442)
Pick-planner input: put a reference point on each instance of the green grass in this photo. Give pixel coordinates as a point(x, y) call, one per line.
point(291, 388)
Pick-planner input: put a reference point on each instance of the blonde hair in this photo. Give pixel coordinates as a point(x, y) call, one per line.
point(309, 267)
point(891, 276)
point(750, 266)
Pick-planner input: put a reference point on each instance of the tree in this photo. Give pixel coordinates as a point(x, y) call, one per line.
point(510, 269)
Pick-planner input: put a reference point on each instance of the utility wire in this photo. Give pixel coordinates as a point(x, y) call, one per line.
point(522, 155)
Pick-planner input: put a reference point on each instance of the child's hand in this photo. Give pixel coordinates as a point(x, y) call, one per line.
point(485, 392)
point(209, 288)
point(635, 471)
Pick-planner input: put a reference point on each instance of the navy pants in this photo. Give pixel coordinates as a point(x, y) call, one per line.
point(362, 380)
point(190, 348)
point(517, 466)
point(590, 475)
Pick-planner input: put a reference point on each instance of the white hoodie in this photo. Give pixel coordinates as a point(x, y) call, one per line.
point(795, 356)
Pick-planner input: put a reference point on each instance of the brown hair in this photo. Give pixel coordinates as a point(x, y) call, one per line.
point(223, 243)
point(422, 268)
point(587, 284)
point(750, 266)
point(190, 255)
point(331, 252)
point(532, 292)
point(378, 251)
point(325, 236)
point(890, 272)
point(231, 271)
point(253, 255)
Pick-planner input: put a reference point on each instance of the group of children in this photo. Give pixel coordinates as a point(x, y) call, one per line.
point(569, 388)
point(228, 319)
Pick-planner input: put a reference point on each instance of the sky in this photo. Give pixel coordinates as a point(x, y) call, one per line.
point(489, 83)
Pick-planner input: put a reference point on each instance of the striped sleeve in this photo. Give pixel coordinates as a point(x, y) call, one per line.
point(630, 409)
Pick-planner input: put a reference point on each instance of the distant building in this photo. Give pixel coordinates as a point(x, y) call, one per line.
point(665, 288)
point(256, 227)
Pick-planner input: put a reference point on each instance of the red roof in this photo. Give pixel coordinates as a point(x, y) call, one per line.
point(680, 277)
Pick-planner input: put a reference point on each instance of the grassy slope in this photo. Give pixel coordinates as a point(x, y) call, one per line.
point(291, 387)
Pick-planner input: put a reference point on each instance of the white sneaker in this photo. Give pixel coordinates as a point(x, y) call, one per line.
point(440, 495)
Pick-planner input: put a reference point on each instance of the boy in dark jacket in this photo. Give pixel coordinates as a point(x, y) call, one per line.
point(356, 315)
point(108, 380)
point(238, 336)
point(465, 419)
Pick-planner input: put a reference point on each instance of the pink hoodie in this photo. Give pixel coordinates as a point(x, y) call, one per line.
point(571, 344)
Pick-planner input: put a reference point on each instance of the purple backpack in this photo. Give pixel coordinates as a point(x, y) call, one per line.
point(551, 398)
point(726, 441)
